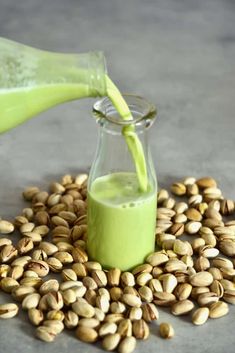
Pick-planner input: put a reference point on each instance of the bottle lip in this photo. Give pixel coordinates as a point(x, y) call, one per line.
point(143, 112)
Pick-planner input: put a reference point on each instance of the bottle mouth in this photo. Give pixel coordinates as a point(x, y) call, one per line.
point(142, 111)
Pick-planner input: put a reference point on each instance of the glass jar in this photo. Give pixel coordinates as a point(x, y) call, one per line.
point(121, 218)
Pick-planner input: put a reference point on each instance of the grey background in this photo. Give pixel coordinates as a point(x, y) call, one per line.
point(180, 54)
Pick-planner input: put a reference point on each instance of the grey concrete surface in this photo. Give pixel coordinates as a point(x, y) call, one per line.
point(180, 54)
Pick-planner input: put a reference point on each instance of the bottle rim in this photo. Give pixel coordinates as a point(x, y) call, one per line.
point(143, 112)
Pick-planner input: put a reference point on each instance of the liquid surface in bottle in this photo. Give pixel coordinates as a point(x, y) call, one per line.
point(121, 221)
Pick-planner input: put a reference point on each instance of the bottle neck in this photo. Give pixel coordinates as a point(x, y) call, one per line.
point(128, 127)
point(27, 67)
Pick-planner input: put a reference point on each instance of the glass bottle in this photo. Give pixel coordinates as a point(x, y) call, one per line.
point(33, 80)
point(121, 218)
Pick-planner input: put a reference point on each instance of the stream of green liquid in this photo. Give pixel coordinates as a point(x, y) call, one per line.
point(132, 140)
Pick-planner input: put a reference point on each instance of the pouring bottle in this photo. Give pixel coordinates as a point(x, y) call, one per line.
point(33, 80)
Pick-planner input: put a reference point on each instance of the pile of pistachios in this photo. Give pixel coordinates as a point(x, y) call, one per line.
point(193, 276)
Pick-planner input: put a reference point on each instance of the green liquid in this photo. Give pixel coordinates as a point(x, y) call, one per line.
point(20, 104)
point(121, 221)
